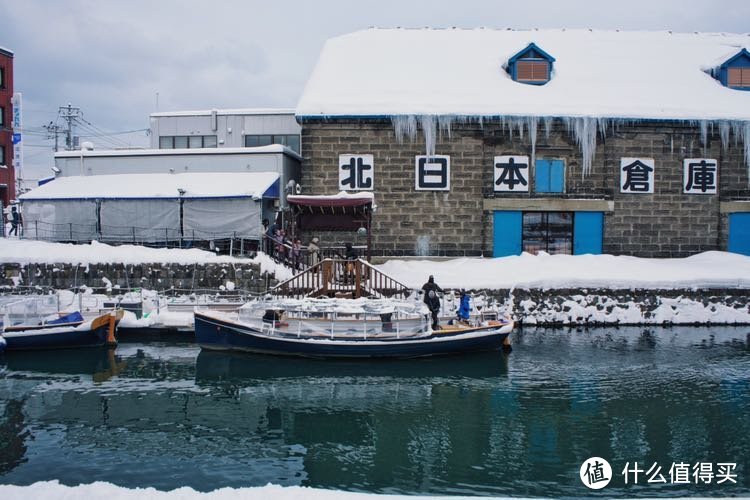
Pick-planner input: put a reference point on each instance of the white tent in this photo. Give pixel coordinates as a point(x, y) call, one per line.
point(149, 207)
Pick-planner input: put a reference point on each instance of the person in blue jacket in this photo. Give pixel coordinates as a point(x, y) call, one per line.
point(464, 307)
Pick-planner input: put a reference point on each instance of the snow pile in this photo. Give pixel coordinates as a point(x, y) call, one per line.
point(604, 74)
point(149, 186)
point(49, 490)
point(600, 80)
point(705, 270)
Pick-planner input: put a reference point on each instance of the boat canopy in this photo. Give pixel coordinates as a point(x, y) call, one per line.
point(343, 306)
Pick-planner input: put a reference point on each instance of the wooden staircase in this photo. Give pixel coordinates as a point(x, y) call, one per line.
point(341, 278)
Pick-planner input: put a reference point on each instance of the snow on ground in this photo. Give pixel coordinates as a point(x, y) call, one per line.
point(708, 269)
point(54, 490)
point(13, 250)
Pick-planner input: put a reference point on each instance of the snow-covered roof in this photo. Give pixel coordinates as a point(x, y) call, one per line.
point(6, 51)
point(222, 112)
point(273, 148)
point(608, 74)
point(150, 186)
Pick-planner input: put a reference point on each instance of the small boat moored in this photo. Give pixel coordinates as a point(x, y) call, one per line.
point(97, 332)
point(345, 328)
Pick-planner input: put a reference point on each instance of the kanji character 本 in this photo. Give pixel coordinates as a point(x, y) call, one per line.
point(700, 175)
point(637, 176)
point(511, 172)
point(635, 471)
point(596, 473)
point(724, 471)
point(359, 175)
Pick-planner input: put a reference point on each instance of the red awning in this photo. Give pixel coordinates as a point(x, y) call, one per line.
point(355, 200)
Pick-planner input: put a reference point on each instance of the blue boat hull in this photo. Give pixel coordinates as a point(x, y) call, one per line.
point(59, 337)
point(216, 334)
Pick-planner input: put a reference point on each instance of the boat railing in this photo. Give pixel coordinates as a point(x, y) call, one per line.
point(341, 278)
point(333, 325)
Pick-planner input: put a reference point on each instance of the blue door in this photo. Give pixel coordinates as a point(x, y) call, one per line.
point(739, 233)
point(587, 232)
point(507, 233)
point(549, 176)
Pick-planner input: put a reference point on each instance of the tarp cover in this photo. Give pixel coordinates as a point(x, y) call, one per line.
point(140, 220)
point(60, 220)
point(221, 218)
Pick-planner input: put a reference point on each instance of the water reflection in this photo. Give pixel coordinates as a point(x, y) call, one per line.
point(521, 424)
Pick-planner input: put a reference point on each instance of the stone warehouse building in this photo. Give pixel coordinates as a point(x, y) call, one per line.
point(493, 142)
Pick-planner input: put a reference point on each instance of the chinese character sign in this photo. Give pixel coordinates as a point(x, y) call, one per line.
point(700, 176)
point(511, 174)
point(432, 173)
point(636, 175)
point(356, 172)
point(17, 125)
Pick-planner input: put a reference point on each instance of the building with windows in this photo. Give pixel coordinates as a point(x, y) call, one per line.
point(7, 169)
point(225, 151)
point(225, 128)
point(495, 142)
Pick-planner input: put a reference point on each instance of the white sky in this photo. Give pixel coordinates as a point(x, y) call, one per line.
point(111, 59)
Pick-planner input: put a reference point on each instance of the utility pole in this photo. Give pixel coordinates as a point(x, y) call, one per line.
point(53, 130)
point(70, 114)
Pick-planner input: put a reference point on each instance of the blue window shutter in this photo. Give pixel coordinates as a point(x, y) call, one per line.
point(588, 228)
point(507, 233)
point(542, 176)
point(739, 233)
point(557, 177)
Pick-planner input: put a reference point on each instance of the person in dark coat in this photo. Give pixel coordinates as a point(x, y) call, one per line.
point(432, 300)
point(15, 221)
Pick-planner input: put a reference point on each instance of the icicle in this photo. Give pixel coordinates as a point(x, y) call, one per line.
point(704, 135)
point(531, 123)
point(404, 126)
point(429, 129)
point(548, 121)
point(737, 131)
point(724, 134)
point(671, 143)
point(584, 131)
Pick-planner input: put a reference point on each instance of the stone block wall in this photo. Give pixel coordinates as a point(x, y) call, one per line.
point(160, 277)
point(666, 223)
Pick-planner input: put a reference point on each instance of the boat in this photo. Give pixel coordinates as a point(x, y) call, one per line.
point(67, 332)
point(345, 328)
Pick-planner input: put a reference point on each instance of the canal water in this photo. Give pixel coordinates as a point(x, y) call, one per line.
point(168, 415)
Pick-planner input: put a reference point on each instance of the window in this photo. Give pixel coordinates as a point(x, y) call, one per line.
point(166, 142)
point(180, 142)
point(187, 141)
point(2, 156)
point(252, 141)
point(532, 70)
point(2, 78)
point(2, 116)
point(738, 77)
point(550, 176)
point(550, 232)
point(289, 140)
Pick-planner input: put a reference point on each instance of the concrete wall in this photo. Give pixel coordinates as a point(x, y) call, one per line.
point(458, 222)
point(230, 130)
point(161, 161)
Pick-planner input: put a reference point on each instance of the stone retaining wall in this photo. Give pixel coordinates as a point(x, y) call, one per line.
point(160, 277)
point(626, 307)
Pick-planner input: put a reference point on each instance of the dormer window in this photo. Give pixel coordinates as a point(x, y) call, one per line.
point(735, 72)
point(532, 65)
